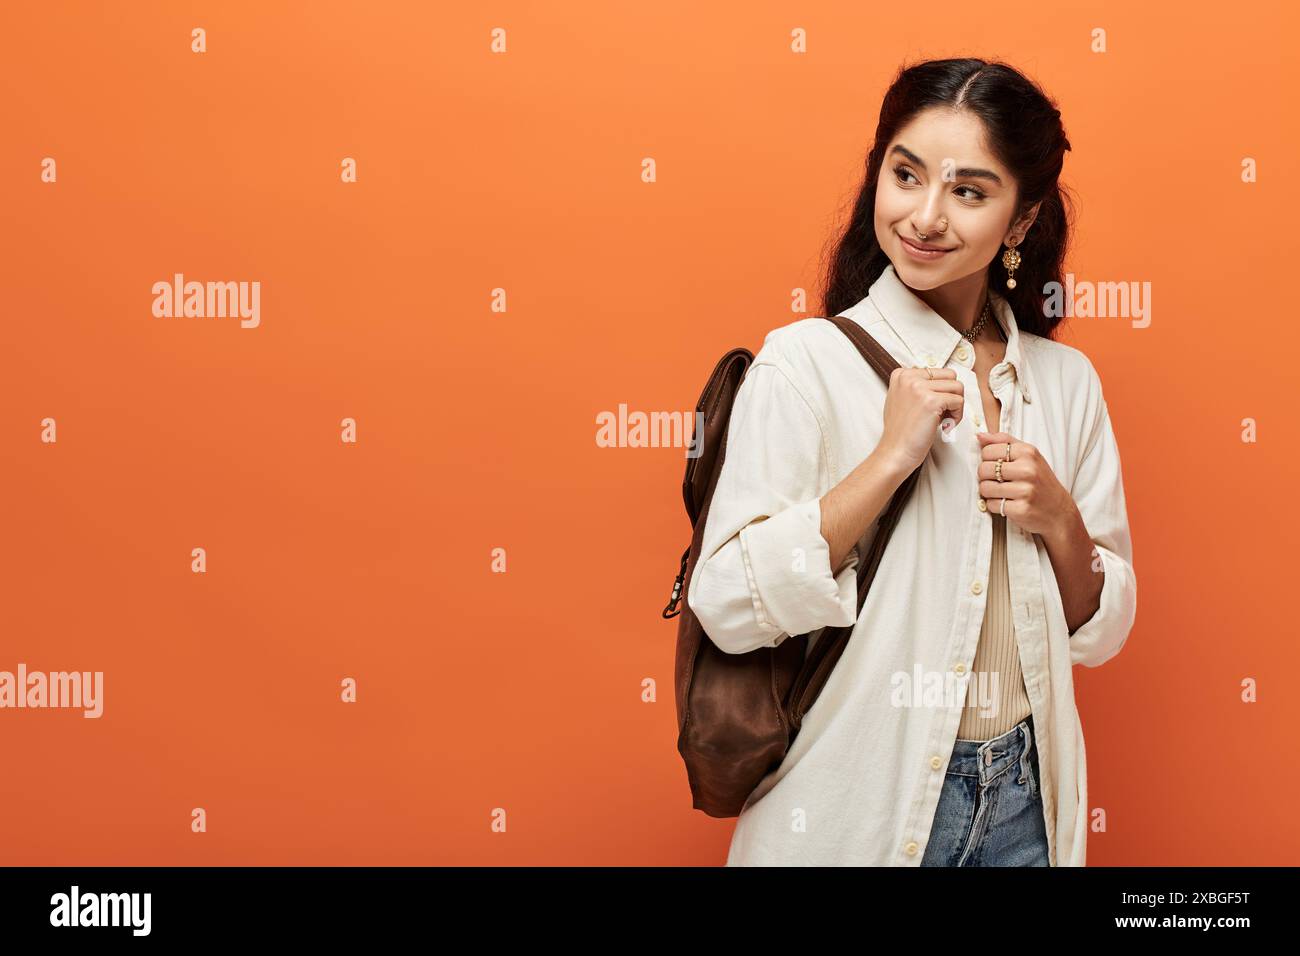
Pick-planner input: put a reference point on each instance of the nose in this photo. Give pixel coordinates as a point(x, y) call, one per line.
point(928, 219)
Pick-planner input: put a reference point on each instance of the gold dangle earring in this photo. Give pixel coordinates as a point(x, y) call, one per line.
point(1011, 259)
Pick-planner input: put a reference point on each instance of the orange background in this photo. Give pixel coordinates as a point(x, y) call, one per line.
point(477, 429)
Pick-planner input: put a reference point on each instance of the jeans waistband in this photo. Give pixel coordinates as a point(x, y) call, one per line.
point(989, 759)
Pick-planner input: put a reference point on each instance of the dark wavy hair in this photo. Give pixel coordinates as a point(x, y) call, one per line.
point(1024, 131)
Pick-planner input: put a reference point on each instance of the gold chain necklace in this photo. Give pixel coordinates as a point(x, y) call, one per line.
point(974, 330)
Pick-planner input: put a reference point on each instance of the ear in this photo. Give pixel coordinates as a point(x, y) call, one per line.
point(1016, 233)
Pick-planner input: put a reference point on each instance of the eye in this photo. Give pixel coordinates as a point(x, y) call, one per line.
point(900, 171)
point(976, 194)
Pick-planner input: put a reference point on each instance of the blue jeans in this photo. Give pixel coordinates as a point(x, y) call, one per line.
point(990, 812)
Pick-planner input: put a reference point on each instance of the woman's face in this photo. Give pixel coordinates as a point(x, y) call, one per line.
point(937, 168)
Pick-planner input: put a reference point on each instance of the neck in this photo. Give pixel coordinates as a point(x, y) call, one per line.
point(960, 303)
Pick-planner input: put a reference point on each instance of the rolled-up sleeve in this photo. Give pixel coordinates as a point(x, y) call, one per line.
point(1098, 491)
point(763, 572)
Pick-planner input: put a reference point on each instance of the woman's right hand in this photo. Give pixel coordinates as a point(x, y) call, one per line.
point(915, 405)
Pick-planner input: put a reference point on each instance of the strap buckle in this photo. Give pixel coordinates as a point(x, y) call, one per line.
point(669, 611)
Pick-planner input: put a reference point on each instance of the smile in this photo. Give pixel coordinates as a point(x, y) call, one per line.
point(924, 255)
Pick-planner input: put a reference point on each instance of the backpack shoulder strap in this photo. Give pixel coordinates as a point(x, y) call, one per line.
point(880, 360)
point(871, 350)
point(824, 654)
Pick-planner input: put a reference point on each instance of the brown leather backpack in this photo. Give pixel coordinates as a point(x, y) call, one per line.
point(737, 714)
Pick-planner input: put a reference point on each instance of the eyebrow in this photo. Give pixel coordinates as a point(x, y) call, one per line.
point(963, 173)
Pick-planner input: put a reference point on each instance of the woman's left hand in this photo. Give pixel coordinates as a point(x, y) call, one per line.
point(1035, 499)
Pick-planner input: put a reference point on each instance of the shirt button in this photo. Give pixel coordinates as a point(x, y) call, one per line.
point(983, 505)
point(910, 849)
point(962, 352)
point(929, 360)
point(976, 587)
point(960, 668)
point(936, 762)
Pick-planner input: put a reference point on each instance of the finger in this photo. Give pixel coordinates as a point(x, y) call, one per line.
point(934, 373)
point(990, 489)
point(993, 450)
point(990, 437)
point(1011, 470)
point(946, 385)
point(951, 402)
point(1005, 507)
point(950, 415)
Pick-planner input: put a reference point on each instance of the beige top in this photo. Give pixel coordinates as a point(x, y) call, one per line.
point(996, 699)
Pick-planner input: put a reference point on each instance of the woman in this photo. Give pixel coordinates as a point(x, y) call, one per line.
point(947, 733)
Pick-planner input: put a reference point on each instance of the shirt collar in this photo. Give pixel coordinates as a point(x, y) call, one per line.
point(929, 337)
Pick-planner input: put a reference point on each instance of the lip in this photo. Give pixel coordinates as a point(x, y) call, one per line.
point(922, 253)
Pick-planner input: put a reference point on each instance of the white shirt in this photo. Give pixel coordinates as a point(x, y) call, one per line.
point(861, 782)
